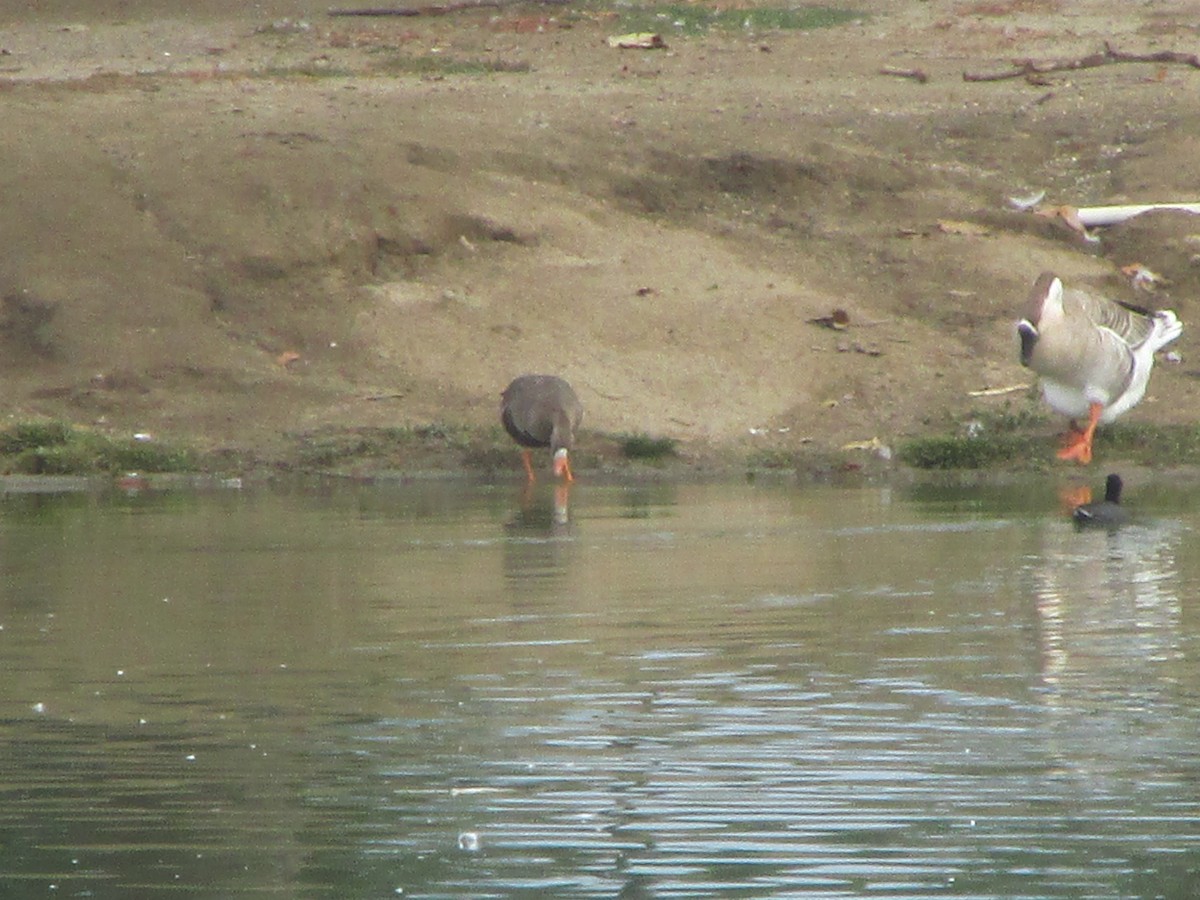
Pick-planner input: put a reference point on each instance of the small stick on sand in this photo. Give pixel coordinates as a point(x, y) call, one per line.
point(917, 75)
point(996, 392)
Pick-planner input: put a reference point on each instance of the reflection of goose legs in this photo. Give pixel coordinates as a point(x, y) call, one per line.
point(1071, 497)
point(562, 495)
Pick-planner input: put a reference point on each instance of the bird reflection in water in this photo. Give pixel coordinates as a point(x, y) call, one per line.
point(1107, 601)
point(539, 536)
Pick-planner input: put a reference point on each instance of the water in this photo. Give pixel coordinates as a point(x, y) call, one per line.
point(449, 690)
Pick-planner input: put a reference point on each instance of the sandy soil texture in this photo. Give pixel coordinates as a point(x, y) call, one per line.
point(233, 222)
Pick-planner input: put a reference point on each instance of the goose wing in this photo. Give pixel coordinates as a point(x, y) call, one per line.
point(540, 411)
point(1132, 324)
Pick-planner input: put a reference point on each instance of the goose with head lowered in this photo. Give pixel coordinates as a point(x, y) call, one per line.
point(1094, 355)
point(542, 411)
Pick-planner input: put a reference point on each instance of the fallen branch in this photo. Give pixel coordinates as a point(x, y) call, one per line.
point(436, 9)
point(1160, 56)
point(917, 75)
point(1028, 68)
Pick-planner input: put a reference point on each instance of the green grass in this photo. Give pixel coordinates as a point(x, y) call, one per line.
point(955, 452)
point(698, 19)
point(56, 448)
point(396, 63)
point(983, 439)
point(647, 448)
point(328, 449)
point(403, 64)
point(1149, 444)
point(31, 435)
point(771, 458)
point(304, 70)
point(1024, 441)
point(113, 455)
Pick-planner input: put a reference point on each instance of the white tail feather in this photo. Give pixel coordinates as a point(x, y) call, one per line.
point(1167, 327)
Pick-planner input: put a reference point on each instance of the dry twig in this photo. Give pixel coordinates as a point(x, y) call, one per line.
point(1029, 69)
point(999, 391)
point(917, 75)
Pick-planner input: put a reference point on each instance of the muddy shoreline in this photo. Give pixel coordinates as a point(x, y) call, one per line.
point(253, 228)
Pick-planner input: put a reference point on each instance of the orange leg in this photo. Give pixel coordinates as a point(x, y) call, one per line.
point(1079, 443)
point(525, 459)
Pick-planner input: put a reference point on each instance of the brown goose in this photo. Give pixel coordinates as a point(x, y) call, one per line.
point(542, 411)
point(1094, 355)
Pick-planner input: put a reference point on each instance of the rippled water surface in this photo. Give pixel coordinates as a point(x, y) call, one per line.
point(452, 690)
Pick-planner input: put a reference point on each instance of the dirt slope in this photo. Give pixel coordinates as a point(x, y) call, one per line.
point(245, 221)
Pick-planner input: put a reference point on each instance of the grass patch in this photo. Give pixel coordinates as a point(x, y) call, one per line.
point(56, 448)
point(771, 458)
point(141, 456)
point(393, 446)
point(326, 451)
point(647, 448)
point(436, 66)
point(1022, 439)
point(698, 19)
point(31, 435)
point(1149, 444)
point(955, 452)
point(304, 70)
point(996, 437)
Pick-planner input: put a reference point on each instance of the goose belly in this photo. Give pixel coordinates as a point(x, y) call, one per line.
point(1069, 401)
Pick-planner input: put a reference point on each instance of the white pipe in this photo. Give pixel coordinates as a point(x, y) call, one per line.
point(1096, 216)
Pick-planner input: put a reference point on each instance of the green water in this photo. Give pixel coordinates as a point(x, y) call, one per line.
point(456, 690)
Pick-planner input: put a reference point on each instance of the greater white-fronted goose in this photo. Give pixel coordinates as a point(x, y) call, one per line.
point(1094, 355)
point(542, 411)
point(1107, 512)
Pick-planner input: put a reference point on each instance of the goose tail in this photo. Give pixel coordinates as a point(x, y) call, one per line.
point(1167, 327)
